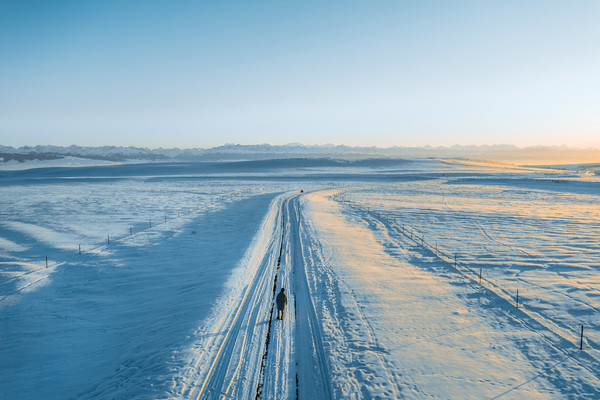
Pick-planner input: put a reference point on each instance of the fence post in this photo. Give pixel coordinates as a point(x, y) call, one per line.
point(46, 261)
point(480, 275)
point(581, 340)
point(108, 238)
point(517, 298)
point(79, 249)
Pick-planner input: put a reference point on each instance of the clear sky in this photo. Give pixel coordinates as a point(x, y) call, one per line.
point(383, 73)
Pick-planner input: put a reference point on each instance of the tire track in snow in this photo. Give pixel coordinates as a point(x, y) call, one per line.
point(252, 355)
point(296, 364)
point(313, 376)
point(359, 364)
point(261, 383)
point(235, 345)
point(236, 363)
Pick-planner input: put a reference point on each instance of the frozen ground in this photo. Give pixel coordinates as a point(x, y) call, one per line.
point(172, 295)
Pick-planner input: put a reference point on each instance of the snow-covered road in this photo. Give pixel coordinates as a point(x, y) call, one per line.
point(226, 361)
point(246, 352)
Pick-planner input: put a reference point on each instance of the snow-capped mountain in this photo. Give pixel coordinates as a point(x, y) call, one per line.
point(505, 153)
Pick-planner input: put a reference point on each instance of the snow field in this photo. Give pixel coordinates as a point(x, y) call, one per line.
point(560, 348)
point(184, 308)
point(525, 245)
point(85, 218)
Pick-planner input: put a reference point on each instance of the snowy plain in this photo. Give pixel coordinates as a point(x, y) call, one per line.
point(402, 277)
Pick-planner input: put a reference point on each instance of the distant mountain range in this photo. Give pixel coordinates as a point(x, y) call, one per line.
point(233, 152)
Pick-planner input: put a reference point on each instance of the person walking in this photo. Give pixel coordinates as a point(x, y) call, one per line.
point(281, 303)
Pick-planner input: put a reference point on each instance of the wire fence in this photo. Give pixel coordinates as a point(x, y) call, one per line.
point(571, 343)
point(474, 274)
point(46, 267)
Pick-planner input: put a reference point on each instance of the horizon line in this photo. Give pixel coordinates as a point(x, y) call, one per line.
point(298, 144)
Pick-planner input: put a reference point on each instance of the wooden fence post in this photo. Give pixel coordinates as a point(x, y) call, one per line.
point(46, 261)
point(581, 340)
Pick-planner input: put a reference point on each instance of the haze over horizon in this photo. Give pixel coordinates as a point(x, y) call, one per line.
point(188, 75)
point(314, 145)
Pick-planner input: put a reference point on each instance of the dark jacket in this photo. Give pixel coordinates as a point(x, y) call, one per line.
point(281, 300)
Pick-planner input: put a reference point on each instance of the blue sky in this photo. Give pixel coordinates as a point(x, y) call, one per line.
point(381, 73)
